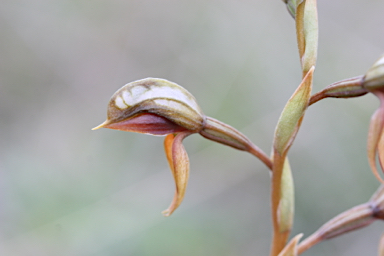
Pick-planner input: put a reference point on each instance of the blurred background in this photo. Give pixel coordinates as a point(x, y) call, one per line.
point(67, 190)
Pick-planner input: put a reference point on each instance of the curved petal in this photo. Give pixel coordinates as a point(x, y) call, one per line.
point(381, 246)
point(179, 163)
point(168, 149)
point(374, 135)
point(380, 151)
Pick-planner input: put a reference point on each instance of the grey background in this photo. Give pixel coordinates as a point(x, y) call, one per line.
point(67, 190)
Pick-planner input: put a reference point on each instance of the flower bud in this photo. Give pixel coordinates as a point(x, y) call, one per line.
point(154, 106)
point(374, 78)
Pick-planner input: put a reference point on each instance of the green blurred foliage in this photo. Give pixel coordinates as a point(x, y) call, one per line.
point(67, 190)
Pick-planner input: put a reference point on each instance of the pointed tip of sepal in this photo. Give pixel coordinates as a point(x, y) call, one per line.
point(167, 213)
point(100, 126)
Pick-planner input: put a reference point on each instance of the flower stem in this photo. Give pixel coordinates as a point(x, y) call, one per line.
point(353, 219)
point(347, 88)
point(308, 243)
point(227, 135)
point(256, 151)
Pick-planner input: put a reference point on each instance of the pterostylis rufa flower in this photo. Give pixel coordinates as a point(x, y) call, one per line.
point(374, 83)
point(160, 107)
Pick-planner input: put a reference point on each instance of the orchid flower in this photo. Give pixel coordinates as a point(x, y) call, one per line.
point(159, 107)
point(373, 82)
